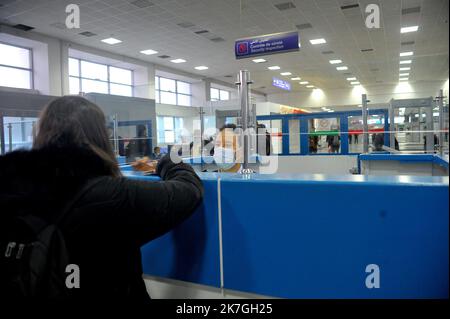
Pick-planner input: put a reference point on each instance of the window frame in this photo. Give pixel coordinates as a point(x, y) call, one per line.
point(30, 57)
point(108, 81)
point(219, 91)
point(159, 90)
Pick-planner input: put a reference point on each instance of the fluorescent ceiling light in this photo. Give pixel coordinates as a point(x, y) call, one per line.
point(178, 61)
point(111, 41)
point(409, 53)
point(296, 79)
point(149, 52)
point(403, 74)
point(304, 82)
point(275, 67)
point(355, 83)
point(286, 73)
point(318, 41)
point(403, 79)
point(310, 86)
point(335, 61)
point(259, 60)
point(405, 62)
point(409, 29)
point(330, 111)
point(342, 68)
point(351, 79)
point(405, 69)
point(201, 68)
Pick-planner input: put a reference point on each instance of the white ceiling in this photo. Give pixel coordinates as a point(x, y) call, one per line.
point(156, 27)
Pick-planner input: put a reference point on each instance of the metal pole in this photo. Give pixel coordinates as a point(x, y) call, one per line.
point(244, 81)
point(391, 124)
point(441, 122)
point(365, 125)
point(202, 131)
point(116, 144)
point(10, 136)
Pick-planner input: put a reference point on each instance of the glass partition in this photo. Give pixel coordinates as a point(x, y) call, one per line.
point(324, 135)
point(18, 132)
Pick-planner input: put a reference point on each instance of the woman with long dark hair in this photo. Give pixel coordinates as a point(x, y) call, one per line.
point(108, 223)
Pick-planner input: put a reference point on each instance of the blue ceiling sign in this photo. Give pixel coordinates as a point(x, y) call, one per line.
point(285, 85)
point(267, 44)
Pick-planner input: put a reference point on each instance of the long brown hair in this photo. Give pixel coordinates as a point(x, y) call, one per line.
point(76, 121)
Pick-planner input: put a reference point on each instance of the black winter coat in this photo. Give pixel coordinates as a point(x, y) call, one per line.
point(109, 224)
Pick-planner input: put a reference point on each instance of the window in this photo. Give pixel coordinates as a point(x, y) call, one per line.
point(85, 76)
point(169, 91)
point(169, 129)
point(15, 67)
point(219, 95)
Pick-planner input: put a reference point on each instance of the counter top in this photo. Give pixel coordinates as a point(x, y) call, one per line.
point(432, 158)
point(313, 178)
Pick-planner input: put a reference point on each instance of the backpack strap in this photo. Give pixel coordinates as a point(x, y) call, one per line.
point(68, 207)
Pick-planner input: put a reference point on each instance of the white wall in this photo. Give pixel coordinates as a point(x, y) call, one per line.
point(352, 96)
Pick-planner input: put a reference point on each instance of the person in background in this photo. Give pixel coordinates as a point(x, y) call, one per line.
point(156, 153)
point(334, 143)
point(111, 218)
point(139, 146)
point(378, 142)
point(227, 149)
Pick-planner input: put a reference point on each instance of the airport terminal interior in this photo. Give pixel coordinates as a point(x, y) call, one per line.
point(336, 120)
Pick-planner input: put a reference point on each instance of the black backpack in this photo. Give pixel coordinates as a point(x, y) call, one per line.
point(33, 256)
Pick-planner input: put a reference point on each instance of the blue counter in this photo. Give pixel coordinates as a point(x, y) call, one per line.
point(312, 236)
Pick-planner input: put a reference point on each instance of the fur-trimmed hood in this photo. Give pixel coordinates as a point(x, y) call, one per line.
point(42, 180)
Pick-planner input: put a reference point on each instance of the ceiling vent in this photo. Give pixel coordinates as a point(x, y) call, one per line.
point(164, 56)
point(201, 32)
point(410, 10)
point(285, 6)
point(366, 50)
point(327, 52)
point(374, 70)
point(408, 43)
point(350, 6)
point(304, 26)
point(87, 33)
point(217, 39)
point(142, 3)
point(23, 27)
point(228, 76)
point(186, 25)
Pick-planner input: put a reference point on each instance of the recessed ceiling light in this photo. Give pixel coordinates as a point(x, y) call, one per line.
point(355, 83)
point(201, 68)
point(403, 74)
point(296, 79)
point(405, 62)
point(409, 53)
point(310, 86)
point(275, 67)
point(342, 68)
point(304, 82)
point(111, 40)
point(335, 61)
point(178, 61)
point(351, 79)
point(149, 52)
point(318, 41)
point(259, 60)
point(403, 79)
point(409, 29)
point(286, 73)
point(405, 69)
point(330, 111)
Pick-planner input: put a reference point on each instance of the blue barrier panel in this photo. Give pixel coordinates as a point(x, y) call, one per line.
point(312, 236)
point(191, 251)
